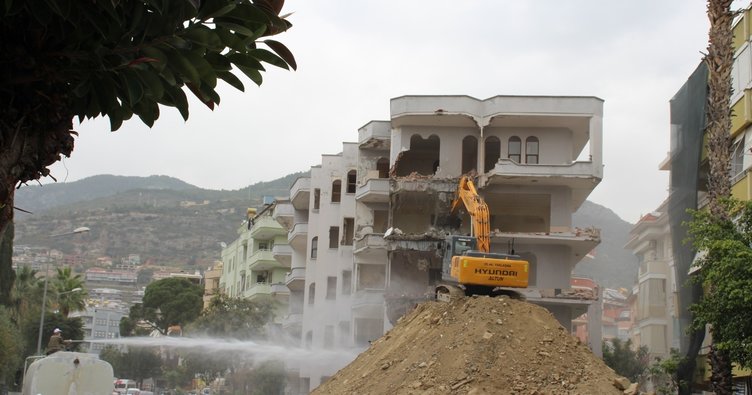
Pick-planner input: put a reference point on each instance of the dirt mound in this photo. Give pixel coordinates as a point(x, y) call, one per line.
point(477, 345)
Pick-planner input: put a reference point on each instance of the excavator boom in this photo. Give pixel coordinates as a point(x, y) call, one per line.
point(467, 194)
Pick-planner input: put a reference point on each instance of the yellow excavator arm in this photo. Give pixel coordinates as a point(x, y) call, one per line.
point(467, 195)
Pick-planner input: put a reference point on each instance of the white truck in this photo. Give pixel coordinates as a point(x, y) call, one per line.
point(68, 373)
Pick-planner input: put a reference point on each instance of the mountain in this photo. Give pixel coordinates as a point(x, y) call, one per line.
point(162, 219)
point(167, 221)
point(612, 266)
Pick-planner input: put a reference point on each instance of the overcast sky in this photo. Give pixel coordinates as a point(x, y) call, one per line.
point(353, 56)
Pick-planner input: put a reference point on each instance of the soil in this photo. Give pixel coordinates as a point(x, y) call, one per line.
point(475, 345)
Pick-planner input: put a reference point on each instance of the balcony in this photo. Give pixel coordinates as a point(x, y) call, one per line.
point(262, 260)
point(280, 292)
point(298, 236)
point(376, 135)
point(282, 253)
point(258, 290)
point(265, 228)
point(295, 279)
point(300, 193)
point(284, 214)
point(372, 245)
point(580, 177)
point(375, 190)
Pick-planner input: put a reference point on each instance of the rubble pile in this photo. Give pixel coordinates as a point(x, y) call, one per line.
point(477, 345)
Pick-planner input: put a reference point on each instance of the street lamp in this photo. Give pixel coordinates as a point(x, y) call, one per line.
point(82, 229)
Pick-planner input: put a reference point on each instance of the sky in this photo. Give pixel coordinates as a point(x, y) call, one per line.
point(354, 56)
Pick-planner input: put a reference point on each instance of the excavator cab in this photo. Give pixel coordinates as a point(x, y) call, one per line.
point(480, 272)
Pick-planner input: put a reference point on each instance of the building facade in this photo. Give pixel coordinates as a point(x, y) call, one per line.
point(367, 228)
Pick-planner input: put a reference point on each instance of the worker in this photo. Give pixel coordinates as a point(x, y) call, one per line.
point(56, 342)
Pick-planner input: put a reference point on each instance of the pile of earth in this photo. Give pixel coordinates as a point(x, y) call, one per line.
point(477, 345)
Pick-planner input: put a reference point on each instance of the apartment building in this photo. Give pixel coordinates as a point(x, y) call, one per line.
point(656, 321)
point(249, 268)
point(367, 229)
point(212, 279)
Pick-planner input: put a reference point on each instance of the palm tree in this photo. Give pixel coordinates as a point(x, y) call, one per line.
point(720, 60)
point(65, 283)
point(25, 290)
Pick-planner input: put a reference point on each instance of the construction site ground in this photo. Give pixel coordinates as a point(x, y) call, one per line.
point(476, 345)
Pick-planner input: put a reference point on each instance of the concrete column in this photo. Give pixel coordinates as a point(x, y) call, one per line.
point(595, 328)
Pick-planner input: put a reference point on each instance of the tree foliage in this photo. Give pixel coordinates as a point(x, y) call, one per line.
point(234, 318)
point(136, 363)
point(11, 347)
point(726, 246)
point(72, 329)
point(166, 302)
point(625, 361)
point(64, 284)
point(85, 58)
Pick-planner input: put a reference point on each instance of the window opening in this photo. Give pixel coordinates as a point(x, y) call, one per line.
point(493, 153)
point(311, 293)
point(351, 181)
point(515, 149)
point(348, 227)
point(316, 198)
point(331, 288)
point(531, 150)
point(382, 165)
point(336, 191)
point(333, 236)
point(314, 247)
point(346, 282)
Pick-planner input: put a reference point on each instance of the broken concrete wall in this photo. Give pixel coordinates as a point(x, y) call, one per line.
point(372, 164)
point(415, 150)
point(371, 218)
point(550, 265)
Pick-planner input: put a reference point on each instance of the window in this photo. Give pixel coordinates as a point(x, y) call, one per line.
point(514, 149)
point(737, 161)
point(531, 150)
point(493, 153)
point(346, 282)
point(351, 181)
point(314, 247)
point(382, 165)
point(331, 288)
point(263, 246)
point(333, 236)
point(316, 198)
point(348, 229)
point(336, 191)
point(311, 293)
point(328, 340)
point(344, 333)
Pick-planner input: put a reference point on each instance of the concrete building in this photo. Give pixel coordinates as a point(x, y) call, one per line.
point(656, 321)
point(211, 282)
point(101, 322)
point(536, 159)
point(249, 268)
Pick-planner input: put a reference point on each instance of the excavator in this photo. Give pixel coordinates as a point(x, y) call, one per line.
point(468, 265)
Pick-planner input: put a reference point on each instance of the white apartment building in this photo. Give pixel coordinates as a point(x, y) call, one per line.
point(656, 320)
point(536, 160)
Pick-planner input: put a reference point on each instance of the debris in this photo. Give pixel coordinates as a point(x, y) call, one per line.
point(532, 355)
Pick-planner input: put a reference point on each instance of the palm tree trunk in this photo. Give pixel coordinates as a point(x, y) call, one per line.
point(720, 61)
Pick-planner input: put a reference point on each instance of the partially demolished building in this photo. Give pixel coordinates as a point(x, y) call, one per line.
point(368, 227)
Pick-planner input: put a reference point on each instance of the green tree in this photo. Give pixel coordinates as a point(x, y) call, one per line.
point(663, 373)
point(11, 348)
point(84, 58)
point(113, 356)
point(170, 301)
point(268, 378)
point(64, 284)
point(139, 364)
point(234, 318)
point(727, 246)
point(625, 361)
point(25, 290)
point(72, 329)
